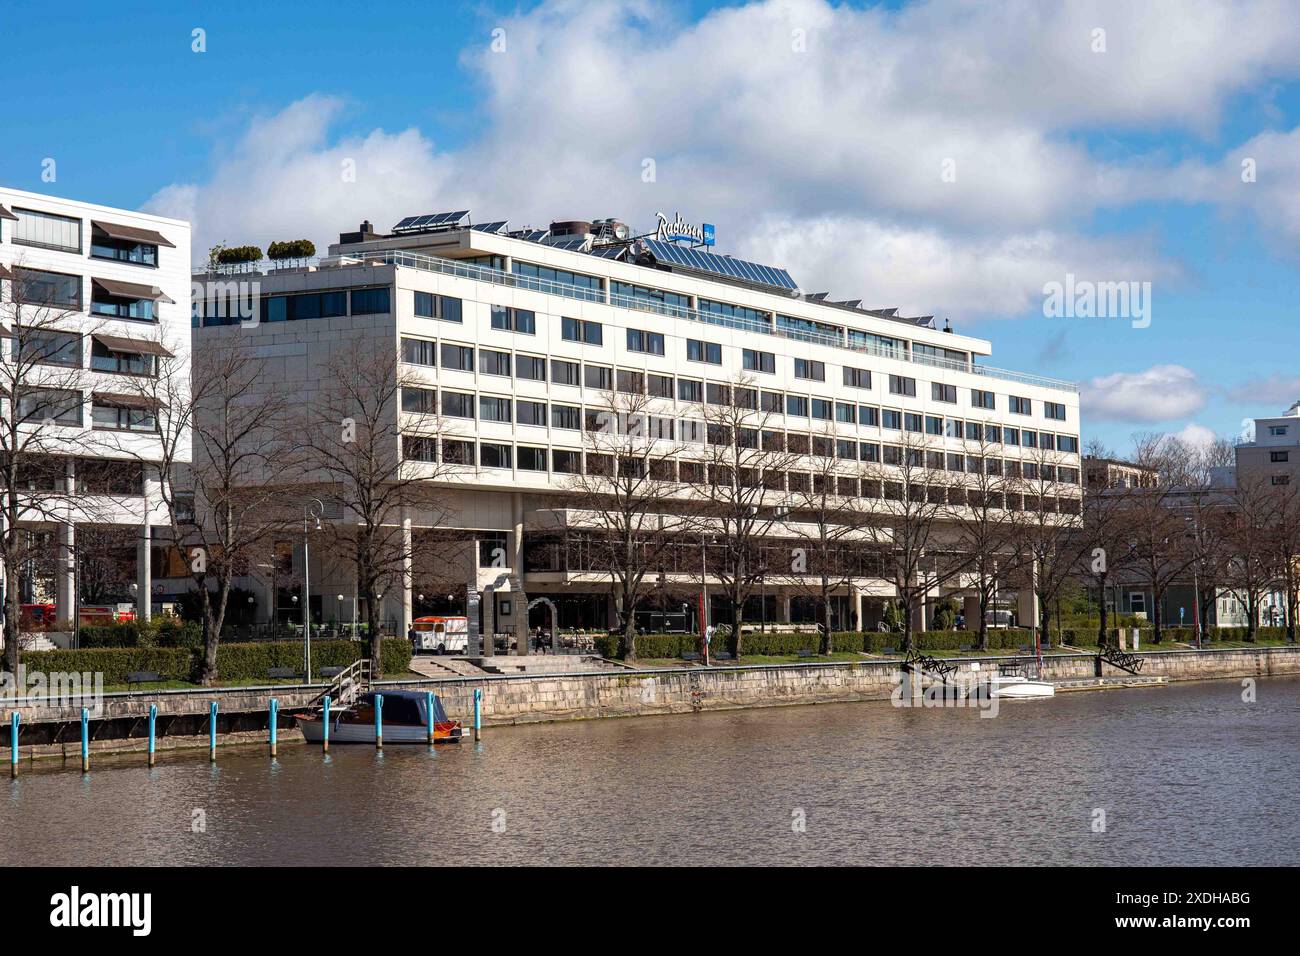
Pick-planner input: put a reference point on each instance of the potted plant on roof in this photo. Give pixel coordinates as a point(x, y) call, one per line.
point(238, 258)
point(289, 254)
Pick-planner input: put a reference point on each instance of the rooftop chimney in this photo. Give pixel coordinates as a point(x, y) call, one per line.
point(364, 234)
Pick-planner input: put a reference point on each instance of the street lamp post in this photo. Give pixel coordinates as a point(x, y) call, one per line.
point(312, 510)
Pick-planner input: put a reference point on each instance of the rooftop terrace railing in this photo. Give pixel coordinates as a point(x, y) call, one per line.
point(478, 273)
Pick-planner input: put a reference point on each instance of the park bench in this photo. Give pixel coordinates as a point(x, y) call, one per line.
point(967, 647)
point(331, 671)
point(889, 650)
point(806, 652)
point(281, 673)
point(143, 677)
point(690, 656)
point(722, 656)
point(1024, 648)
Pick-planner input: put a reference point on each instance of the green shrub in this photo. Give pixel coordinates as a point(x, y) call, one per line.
point(239, 254)
point(235, 662)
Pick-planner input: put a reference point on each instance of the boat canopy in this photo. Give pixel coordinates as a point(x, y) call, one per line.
point(407, 706)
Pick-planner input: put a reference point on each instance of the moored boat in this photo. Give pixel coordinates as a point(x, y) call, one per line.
point(1011, 683)
point(405, 720)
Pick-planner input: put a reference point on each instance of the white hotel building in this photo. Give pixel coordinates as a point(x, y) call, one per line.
point(104, 294)
point(519, 331)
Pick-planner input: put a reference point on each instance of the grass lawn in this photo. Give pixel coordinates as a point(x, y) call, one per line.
point(187, 685)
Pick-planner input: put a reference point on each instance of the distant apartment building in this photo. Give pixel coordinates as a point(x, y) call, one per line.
point(517, 336)
point(94, 298)
point(1274, 453)
point(1102, 473)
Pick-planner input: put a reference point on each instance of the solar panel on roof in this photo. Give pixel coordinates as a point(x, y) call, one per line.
point(719, 265)
point(490, 226)
point(405, 223)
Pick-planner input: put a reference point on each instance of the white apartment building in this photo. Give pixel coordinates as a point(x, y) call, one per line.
point(101, 296)
point(515, 334)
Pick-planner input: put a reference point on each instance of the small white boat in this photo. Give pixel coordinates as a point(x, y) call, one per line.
point(1011, 683)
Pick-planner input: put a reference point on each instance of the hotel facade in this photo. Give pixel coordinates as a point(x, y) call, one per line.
point(515, 337)
point(94, 301)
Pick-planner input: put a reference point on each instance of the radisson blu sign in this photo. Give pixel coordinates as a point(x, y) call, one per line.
point(679, 228)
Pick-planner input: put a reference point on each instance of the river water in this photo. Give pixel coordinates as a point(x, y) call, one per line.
point(1187, 774)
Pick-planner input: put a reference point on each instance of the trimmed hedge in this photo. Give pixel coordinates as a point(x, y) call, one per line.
point(160, 632)
point(235, 662)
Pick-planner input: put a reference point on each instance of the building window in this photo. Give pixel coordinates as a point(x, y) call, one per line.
point(51, 290)
point(892, 419)
point(821, 409)
point(650, 343)
point(419, 352)
point(902, 385)
point(444, 307)
point(491, 409)
point(630, 382)
point(773, 402)
point(457, 404)
point(459, 357)
point(808, 369)
point(709, 352)
point(514, 320)
point(46, 231)
point(846, 413)
point(531, 459)
point(421, 401)
point(943, 393)
point(716, 394)
point(689, 390)
point(1280, 479)
point(857, 377)
point(1047, 441)
point(566, 416)
point(1068, 443)
point(1279, 456)
point(1277, 430)
point(1054, 410)
point(670, 303)
point(492, 455)
point(566, 462)
point(370, 301)
point(912, 422)
point(982, 399)
point(104, 246)
point(598, 376)
point(49, 348)
point(530, 367)
point(755, 361)
point(974, 432)
point(1020, 406)
point(530, 413)
point(869, 451)
point(564, 373)
point(120, 417)
point(419, 448)
point(63, 406)
point(105, 359)
point(796, 405)
point(660, 386)
point(494, 363)
point(527, 270)
point(457, 452)
point(294, 308)
point(933, 425)
point(1010, 436)
point(869, 416)
point(581, 330)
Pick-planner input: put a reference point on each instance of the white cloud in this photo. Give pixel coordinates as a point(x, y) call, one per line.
point(1157, 394)
point(1279, 391)
point(1196, 435)
point(826, 159)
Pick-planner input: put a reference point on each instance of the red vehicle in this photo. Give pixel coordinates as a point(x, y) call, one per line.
point(36, 617)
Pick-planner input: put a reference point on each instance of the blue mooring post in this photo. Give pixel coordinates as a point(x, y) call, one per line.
point(478, 711)
point(153, 723)
point(85, 740)
point(273, 714)
point(212, 732)
point(379, 721)
point(325, 726)
point(428, 709)
point(13, 745)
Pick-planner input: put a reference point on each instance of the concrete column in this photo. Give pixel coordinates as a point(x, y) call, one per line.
point(65, 585)
point(518, 598)
point(784, 602)
point(971, 612)
point(407, 575)
point(144, 573)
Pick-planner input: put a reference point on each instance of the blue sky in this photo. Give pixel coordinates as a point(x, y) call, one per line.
point(813, 134)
